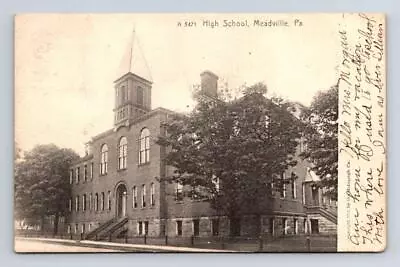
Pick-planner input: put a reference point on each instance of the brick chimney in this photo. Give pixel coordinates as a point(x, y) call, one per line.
point(209, 83)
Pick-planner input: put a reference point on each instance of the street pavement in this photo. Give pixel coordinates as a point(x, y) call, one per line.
point(64, 245)
point(26, 246)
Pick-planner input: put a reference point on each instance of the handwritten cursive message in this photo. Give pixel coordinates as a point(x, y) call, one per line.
point(362, 132)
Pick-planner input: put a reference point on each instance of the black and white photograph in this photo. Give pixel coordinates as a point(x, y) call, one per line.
point(199, 133)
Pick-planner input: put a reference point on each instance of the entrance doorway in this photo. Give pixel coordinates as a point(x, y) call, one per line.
point(121, 200)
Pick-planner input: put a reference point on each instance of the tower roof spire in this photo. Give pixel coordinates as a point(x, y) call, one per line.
point(133, 60)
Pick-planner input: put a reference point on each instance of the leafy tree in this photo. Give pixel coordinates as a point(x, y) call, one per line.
point(230, 152)
point(321, 135)
point(42, 183)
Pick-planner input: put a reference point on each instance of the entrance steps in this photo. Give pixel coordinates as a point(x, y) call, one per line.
point(327, 219)
point(110, 228)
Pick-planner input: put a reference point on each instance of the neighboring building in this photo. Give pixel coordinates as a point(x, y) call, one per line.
point(115, 186)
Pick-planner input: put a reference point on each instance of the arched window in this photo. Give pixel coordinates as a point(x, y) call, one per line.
point(144, 146)
point(134, 199)
point(96, 202)
point(102, 200)
point(122, 153)
point(70, 204)
point(90, 201)
point(143, 196)
point(84, 202)
point(152, 195)
point(109, 200)
point(104, 159)
point(77, 203)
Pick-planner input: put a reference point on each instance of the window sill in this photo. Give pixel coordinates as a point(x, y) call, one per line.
point(104, 174)
point(179, 201)
point(122, 170)
point(143, 164)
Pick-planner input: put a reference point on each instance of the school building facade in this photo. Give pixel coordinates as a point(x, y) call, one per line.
point(116, 190)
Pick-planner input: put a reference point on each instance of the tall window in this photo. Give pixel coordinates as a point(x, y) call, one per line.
point(91, 171)
point(272, 226)
point(296, 226)
point(143, 196)
point(84, 202)
point(140, 228)
point(305, 226)
point(96, 202)
point(76, 203)
point(152, 193)
point(196, 227)
point(90, 201)
point(122, 153)
point(71, 176)
point(134, 199)
point(179, 192)
point(109, 200)
point(178, 228)
point(104, 159)
point(102, 201)
point(78, 170)
point(144, 146)
point(303, 192)
point(146, 227)
point(285, 226)
point(283, 187)
point(140, 96)
point(70, 204)
point(215, 227)
point(85, 174)
point(294, 189)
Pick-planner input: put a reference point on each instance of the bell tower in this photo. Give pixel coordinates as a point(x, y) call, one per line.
point(133, 85)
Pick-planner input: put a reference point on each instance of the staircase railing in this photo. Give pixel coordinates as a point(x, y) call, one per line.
point(93, 233)
point(323, 212)
point(329, 215)
point(113, 227)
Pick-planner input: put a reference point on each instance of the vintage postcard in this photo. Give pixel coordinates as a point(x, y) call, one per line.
point(200, 132)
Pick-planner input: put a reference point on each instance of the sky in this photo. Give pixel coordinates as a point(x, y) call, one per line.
point(65, 65)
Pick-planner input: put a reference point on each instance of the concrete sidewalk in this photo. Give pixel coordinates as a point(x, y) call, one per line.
point(122, 246)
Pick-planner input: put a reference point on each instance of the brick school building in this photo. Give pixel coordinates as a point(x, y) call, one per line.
point(115, 189)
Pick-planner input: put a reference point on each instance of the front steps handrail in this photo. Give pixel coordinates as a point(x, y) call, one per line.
point(323, 212)
point(93, 233)
point(113, 227)
point(328, 215)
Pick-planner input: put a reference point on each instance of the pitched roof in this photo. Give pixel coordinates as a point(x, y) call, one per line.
point(133, 60)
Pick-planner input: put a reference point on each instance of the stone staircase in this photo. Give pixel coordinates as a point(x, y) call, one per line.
point(112, 228)
point(327, 219)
